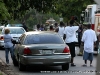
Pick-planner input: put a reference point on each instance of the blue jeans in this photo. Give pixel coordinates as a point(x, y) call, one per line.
point(11, 49)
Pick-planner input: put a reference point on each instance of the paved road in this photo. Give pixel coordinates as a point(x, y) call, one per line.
point(56, 70)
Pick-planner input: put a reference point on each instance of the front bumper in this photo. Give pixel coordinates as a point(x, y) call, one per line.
point(45, 60)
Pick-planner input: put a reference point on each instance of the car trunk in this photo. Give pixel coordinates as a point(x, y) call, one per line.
point(46, 49)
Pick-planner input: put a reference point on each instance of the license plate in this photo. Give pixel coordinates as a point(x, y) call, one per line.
point(47, 52)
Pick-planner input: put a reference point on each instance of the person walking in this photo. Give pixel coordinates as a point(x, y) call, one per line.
point(81, 48)
point(38, 27)
point(60, 29)
point(51, 28)
point(55, 26)
point(41, 28)
point(25, 27)
point(8, 45)
point(88, 39)
point(70, 38)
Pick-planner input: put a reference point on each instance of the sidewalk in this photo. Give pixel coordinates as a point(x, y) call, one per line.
point(5, 70)
point(2, 66)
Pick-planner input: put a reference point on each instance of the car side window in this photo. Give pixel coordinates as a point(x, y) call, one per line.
point(21, 39)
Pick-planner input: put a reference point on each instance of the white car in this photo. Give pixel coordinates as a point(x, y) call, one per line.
point(15, 32)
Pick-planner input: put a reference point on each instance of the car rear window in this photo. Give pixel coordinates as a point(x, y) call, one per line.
point(43, 39)
point(16, 30)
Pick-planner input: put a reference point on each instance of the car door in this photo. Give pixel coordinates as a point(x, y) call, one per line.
point(19, 45)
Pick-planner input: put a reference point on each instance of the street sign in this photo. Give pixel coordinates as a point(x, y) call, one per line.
point(97, 1)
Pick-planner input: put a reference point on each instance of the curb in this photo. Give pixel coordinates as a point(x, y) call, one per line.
point(6, 70)
point(2, 64)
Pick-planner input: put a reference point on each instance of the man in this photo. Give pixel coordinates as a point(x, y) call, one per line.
point(25, 27)
point(89, 38)
point(60, 29)
point(70, 38)
point(84, 28)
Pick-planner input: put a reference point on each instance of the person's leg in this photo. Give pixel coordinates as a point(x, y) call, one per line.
point(72, 53)
point(91, 58)
point(85, 58)
point(81, 50)
point(85, 61)
point(7, 55)
point(12, 52)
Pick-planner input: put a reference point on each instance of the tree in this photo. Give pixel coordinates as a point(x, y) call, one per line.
point(17, 8)
point(3, 12)
point(68, 8)
point(65, 8)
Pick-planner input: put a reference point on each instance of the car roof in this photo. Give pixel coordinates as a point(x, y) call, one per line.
point(40, 32)
point(13, 27)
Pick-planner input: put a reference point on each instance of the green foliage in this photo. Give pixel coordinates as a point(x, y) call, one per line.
point(3, 11)
point(17, 9)
point(68, 8)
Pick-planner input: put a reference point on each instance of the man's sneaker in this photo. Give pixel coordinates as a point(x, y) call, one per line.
point(73, 65)
point(91, 65)
point(84, 65)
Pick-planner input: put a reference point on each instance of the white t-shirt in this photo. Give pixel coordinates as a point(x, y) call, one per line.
point(61, 31)
point(7, 41)
point(89, 37)
point(70, 32)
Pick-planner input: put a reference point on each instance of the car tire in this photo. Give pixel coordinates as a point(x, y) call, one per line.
point(21, 66)
point(15, 62)
point(65, 66)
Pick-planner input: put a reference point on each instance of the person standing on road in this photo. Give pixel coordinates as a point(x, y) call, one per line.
point(70, 38)
point(8, 45)
point(88, 39)
point(60, 29)
point(55, 26)
point(25, 27)
point(51, 28)
point(84, 28)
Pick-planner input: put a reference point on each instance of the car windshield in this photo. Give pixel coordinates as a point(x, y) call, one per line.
point(43, 39)
point(16, 31)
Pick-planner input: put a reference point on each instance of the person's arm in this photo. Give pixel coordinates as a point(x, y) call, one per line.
point(64, 36)
point(76, 22)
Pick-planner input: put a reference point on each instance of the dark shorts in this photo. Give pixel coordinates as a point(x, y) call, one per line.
point(72, 48)
point(87, 56)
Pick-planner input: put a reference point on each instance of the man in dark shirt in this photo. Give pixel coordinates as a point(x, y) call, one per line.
point(25, 27)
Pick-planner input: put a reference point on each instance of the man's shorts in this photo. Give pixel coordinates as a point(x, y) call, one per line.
point(87, 56)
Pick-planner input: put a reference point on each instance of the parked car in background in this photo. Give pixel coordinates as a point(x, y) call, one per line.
point(14, 25)
point(41, 48)
point(15, 32)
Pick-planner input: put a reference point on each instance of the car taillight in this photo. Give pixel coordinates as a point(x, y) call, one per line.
point(27, 51)
point(66, 50)
point(1, 38)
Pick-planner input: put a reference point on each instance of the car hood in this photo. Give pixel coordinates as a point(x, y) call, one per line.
point(15, 35)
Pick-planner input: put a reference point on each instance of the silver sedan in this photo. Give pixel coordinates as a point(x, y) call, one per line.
point(41, 48)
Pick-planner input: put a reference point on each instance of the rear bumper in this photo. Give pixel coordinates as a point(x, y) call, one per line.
point(45, 60)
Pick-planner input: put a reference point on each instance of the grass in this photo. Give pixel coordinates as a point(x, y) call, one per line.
point(1, 73)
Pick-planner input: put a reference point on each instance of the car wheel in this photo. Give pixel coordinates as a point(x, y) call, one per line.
point(15, 62)
point(65, 66)
point(21, 66)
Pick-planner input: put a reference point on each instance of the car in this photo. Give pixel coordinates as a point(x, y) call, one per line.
point(14, 25)
point(15, 32)
point(41, 48)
